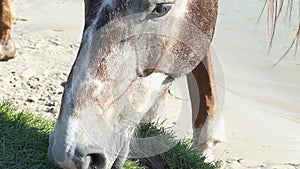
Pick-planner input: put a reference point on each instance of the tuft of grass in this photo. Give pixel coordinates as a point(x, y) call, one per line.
point(132, 164)
point(181, 156)
point(24, 142)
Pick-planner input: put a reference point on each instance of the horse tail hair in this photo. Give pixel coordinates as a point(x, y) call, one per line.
point(275, 11)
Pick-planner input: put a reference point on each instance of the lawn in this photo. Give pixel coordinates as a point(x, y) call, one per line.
point(24, 142)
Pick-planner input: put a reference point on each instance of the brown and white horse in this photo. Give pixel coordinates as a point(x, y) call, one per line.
point(130, 53)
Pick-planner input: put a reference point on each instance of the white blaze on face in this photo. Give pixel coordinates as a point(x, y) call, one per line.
point(109, 3)
point(88, 34)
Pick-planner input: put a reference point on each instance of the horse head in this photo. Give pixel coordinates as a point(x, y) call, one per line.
point(130, 53)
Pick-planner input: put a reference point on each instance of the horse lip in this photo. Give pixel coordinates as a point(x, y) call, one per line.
point(168, 80)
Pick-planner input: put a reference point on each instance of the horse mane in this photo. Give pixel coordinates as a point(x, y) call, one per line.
point(275, 11)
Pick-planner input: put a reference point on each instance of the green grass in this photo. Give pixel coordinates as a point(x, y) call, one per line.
point(24, 143)
point(23, 139)
point(181, 156)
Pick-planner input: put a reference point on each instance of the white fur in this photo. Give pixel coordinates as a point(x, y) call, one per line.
point(209, 135)
point(7, 49)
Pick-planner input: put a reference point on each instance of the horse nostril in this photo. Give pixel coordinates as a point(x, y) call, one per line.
point(146, 72)
point(97, 161)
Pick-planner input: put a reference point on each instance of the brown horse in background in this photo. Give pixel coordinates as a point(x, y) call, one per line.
point(7, 46)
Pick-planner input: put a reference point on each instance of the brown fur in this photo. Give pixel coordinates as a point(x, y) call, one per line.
point(203, 96)
point(204, 15)
point(6, 22)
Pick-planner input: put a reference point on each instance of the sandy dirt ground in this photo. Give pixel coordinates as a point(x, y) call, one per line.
point(261, 103)
point(47, 36)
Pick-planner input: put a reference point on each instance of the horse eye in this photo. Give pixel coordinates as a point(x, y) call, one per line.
point(161, 9)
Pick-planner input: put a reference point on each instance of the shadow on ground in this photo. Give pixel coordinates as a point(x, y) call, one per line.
point(23, 140)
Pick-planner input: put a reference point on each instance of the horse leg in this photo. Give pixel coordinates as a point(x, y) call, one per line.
point(208, 122)
point(7, 46)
